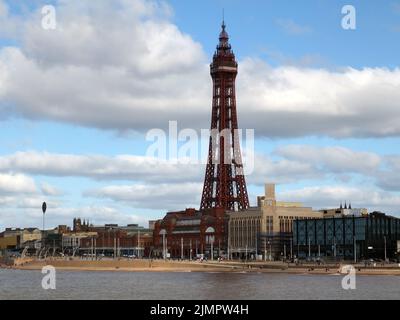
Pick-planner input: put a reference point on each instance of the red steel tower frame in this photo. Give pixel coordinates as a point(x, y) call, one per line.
point(224, 183)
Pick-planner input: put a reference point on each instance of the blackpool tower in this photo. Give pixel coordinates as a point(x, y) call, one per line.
point(224, 183)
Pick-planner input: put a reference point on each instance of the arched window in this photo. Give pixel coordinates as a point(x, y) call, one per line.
point(210, 230)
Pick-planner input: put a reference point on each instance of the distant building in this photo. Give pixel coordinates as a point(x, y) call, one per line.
point(118, 242)
point(344, 211)
point(110, 239)
point(152, 224)
point(346, 237)
point(79, 226)
point(10, 242)
point(71, 241)
point(265, 230)
point(63, 229)
point(23, 236)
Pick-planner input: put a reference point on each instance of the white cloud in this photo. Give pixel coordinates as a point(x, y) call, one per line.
point(137, 71)
point(99, 167)
point(332, 196)
point(56, 215)
point(124, 69)
point(293, 101)
point(158, 196)
point(282, 170)
point(332, 159)
point(287, 164)
point(16, 183)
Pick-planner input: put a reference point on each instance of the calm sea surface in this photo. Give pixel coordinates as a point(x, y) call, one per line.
point(16, 284)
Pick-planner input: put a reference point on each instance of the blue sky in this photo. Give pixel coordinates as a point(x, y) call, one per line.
point(77, 93)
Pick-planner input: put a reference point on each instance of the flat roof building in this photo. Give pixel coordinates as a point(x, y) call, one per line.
point(348, 237)
point(265, 230)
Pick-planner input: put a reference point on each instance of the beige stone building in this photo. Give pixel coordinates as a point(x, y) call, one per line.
point(340, 212)
point(23, 235)
point(10, 242)
point(266, 230)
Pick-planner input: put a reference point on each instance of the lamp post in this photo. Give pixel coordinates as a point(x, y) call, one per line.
point(212, 248)
point(334, 247)
point(284, 251)
point(385, 247)
point(291, 249)
point(138, 245)
point(181, 248)
point(44, 208)
point(163, 244)
point(265, 250)
point(355, 250)
point(190, 258)
point(270, 250)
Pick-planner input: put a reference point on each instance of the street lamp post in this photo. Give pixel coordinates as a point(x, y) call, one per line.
point(138, 244)
point(44, 208)
point(270, 250)
point(212, 248)
point(284, 251)
point(163, 234)
point(265, 250)
point(181, 248)
point(334, 247)
point(355, 250)
point(385, 247)
point(291, 248)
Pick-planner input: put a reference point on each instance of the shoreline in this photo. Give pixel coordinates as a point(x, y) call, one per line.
point(188, 267)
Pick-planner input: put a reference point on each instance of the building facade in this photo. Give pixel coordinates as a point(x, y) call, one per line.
point(266, 230)
point(23, 236)
point(8, 243)
point(190, 233)
point(344, 211)
point(348, 237)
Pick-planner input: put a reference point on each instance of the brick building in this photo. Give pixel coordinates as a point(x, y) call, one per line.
point(190, 233)
point(115, 242)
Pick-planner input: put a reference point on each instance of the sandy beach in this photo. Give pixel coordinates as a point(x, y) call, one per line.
point(194, 266)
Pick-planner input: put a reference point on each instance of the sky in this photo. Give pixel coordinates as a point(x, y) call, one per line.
point(77, 103)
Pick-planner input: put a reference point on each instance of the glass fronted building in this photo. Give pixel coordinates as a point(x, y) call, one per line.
point(364, 237)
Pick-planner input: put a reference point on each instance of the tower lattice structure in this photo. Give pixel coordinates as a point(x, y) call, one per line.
point(224, 183)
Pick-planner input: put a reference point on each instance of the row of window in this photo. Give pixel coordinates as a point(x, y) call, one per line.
point(242, 232)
